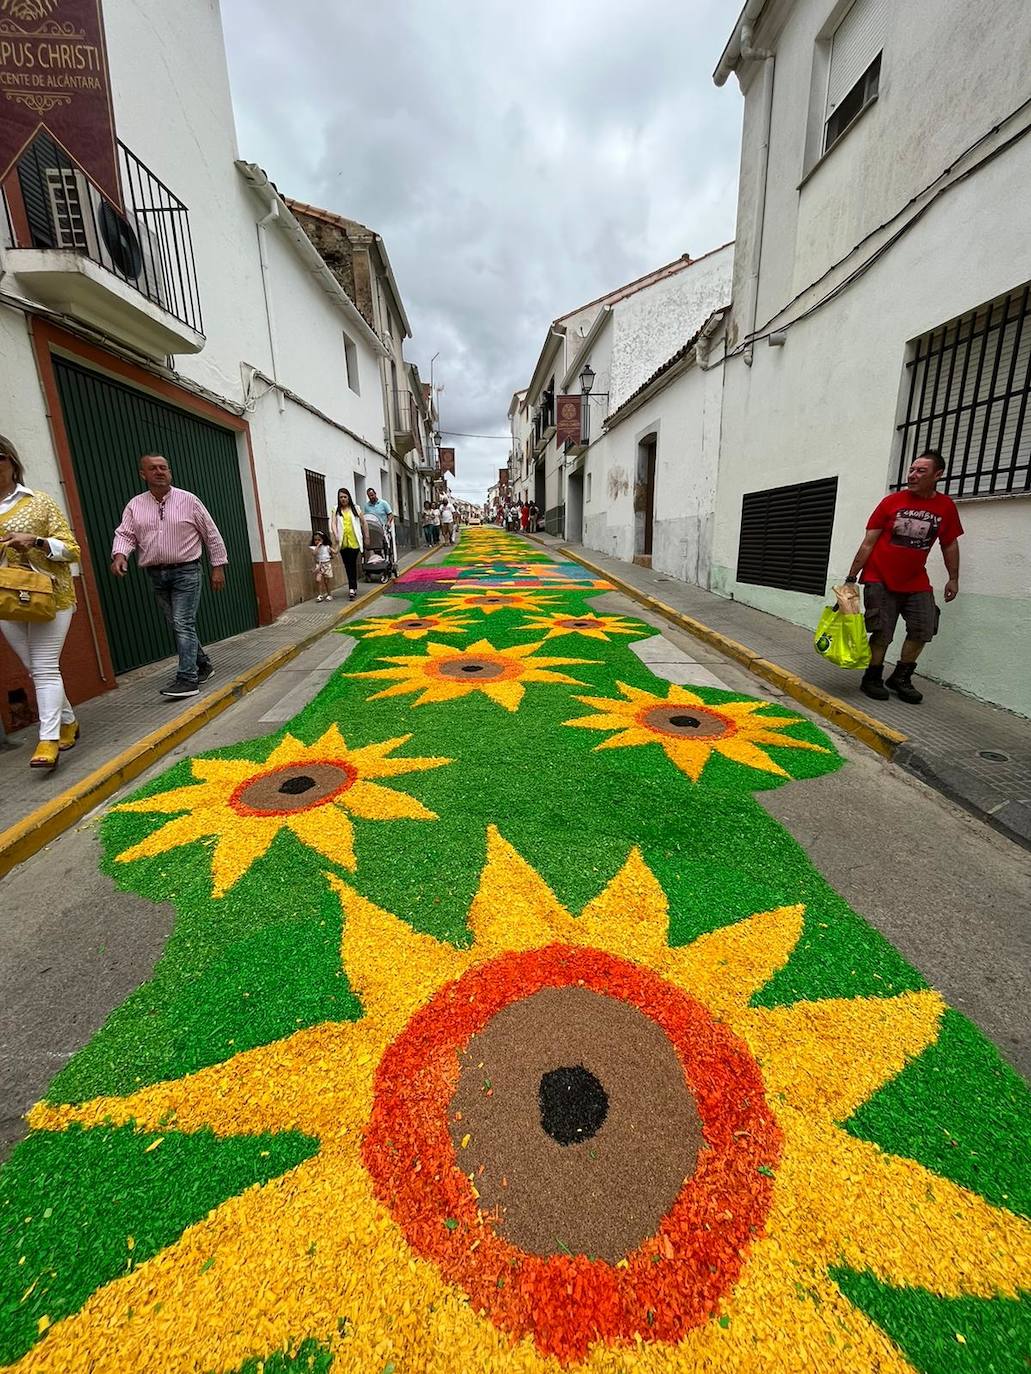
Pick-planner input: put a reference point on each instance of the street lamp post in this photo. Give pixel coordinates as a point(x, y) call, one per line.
point(587, 376)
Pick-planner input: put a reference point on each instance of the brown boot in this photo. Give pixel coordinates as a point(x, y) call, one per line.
point(901, 683)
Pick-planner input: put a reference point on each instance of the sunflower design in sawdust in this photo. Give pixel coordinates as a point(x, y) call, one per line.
point(312, 790)
point(447, 672)
point(589, 625)
point(477, 1124)
point(487, 600)
point(691, 730)
point(410, 626)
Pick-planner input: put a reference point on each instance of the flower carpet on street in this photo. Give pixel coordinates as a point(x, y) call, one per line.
point(501, 1029)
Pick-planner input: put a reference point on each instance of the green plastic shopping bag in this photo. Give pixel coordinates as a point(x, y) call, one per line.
point(841, 634)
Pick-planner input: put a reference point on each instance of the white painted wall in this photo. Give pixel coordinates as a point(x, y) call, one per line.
point(652, 324)
point(826, 403)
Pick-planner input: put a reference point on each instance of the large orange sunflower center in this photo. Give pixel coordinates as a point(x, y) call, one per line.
point(580, 623)
point(293, 787)
point(687, 722)
point(418, 623)
point(525, 1098)
point(474, 668)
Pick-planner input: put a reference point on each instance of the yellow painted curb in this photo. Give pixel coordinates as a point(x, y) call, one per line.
point(38, 829)
point(883, 739)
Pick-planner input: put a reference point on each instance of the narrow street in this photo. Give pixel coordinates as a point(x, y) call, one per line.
point(509, 983)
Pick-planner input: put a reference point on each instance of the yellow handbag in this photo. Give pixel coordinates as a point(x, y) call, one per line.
point(25, 594)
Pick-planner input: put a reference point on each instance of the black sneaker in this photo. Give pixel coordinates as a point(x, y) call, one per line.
point(179, 687)
point(204, 671)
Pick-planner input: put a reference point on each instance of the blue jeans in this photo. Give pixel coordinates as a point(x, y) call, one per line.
point(177, 588)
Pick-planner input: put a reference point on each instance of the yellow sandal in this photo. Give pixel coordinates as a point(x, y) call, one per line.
point(48, 751)
point(69, 734)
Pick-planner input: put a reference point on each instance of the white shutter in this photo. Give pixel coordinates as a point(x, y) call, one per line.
point(857, 41)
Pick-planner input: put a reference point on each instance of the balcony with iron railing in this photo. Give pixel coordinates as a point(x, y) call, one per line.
point(404, 422)
point(128, 273)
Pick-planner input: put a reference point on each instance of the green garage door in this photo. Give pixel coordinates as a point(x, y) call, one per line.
point(109, 427)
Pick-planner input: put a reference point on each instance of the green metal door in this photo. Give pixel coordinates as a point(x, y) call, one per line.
point(109, 427)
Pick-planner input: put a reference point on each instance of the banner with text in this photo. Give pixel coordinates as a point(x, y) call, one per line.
point(447, 460)
point(54, 78)
point(568, 423)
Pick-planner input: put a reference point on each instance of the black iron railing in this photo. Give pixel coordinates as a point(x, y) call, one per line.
point(147, 244)
point(968, 396)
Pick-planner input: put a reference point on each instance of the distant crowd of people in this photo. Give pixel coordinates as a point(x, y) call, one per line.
point(439, 521)
point(525, 517)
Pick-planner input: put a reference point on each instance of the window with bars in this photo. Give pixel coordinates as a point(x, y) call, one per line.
point(966, 394)
point(317, 510)
point(785, 538)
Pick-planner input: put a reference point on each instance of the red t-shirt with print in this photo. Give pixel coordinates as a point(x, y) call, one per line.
point(909, 526)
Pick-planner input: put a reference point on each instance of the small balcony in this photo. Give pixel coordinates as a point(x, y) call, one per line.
point(129, 275)
point(405, 423)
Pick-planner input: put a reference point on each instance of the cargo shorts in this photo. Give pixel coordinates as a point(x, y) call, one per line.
point(883, 607)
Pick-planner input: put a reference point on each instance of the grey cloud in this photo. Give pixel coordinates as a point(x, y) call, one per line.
point(517, 160)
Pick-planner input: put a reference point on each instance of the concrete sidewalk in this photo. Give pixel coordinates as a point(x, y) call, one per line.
point(976, 754)
point(135, 720)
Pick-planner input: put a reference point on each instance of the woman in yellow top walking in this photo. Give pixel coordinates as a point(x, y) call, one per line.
point(34, 530)
point(347, 531)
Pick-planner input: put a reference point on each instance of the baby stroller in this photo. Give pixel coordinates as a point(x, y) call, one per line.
point(379, 561)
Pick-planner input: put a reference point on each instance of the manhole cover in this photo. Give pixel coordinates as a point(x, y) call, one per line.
point(993, 756)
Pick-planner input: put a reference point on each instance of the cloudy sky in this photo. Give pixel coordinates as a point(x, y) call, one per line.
point(518, 160)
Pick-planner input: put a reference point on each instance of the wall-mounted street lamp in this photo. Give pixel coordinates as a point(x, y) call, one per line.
point(587, 376)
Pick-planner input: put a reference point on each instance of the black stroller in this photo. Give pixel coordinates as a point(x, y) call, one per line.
point(379, 560)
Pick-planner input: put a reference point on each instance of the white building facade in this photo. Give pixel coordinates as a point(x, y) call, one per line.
point(881, 307)
point(194, 319)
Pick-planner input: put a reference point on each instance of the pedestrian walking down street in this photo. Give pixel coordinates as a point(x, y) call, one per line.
point(322, 569)
point(35, 534)
point(347, 535)
point(893, 561)
point(447, 520)
point(381, 509)
point(427, 524)
point(524, 517)
point(167, 528)
point(435, 515)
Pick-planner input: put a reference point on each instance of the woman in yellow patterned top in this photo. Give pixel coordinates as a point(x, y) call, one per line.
point(34, 530)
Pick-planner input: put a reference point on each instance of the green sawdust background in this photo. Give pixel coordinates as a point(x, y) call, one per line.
point(262, 961)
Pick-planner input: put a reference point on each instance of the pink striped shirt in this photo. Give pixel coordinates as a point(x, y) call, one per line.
point(168, 531)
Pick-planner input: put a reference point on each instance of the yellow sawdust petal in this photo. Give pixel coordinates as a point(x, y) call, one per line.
point(371, 760)
point(392, 968)
point(236, 850)
point(289, 1085)
point(800, 1047)
point(288, 750)
point(908, 1226)
point(506, 694)
point(226, 772)
point(514, 909)
point(741, 751)
point(630, 917)
point(689, 755)
point(682, 696)
point(606, 722)
point(183, 830)
point(298, 1250)
point(328, 831)
point(200, 797)
point(374, 803)
point(727, 967)
point(783, 741)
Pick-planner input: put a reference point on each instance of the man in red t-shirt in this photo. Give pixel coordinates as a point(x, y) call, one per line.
point(893, 561)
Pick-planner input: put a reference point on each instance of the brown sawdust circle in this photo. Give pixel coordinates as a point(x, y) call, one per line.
point(307, 785)
point(682, 721)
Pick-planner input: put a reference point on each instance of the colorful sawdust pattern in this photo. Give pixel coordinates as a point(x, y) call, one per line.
point(452, 951)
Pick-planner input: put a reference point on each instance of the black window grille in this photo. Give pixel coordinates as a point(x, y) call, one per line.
point(967, 396)
point(785, 536)
point(316, 484)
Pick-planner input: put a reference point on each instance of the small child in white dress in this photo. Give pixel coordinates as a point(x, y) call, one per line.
point(323, 568)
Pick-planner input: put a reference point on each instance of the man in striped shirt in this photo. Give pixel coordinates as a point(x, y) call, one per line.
point(166, 528)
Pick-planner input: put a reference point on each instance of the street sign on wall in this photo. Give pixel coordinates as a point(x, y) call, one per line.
point(54, 76)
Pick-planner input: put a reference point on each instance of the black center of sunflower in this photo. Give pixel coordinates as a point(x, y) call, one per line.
point(293, 787)
point(573, 1104)
point(685, 721)
point(472, 667)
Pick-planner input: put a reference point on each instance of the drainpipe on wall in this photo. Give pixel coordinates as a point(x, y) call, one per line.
point(753, 54)
point(270, 317)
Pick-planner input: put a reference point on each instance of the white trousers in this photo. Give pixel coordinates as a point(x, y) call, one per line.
point(38, 643)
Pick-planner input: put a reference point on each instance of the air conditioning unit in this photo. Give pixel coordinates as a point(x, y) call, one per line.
point(83, 222)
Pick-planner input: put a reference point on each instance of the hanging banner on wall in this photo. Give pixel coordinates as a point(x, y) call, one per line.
point(54, 79)
point(568, 422)
point(447, 460)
